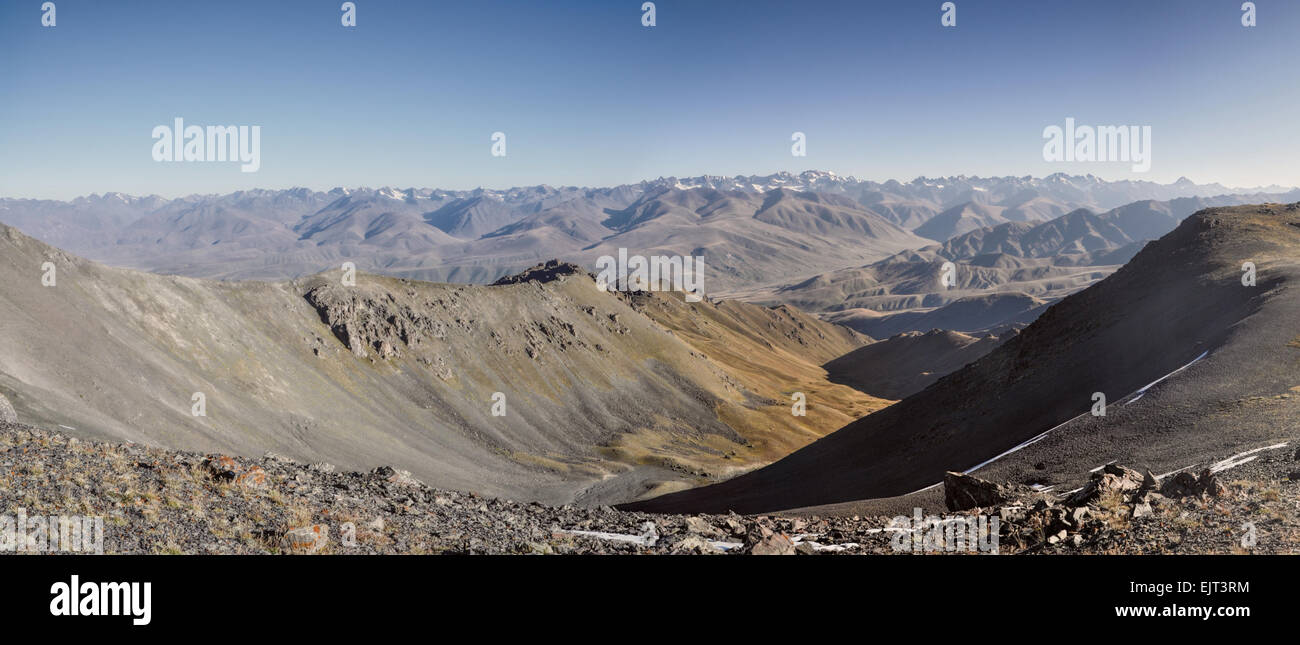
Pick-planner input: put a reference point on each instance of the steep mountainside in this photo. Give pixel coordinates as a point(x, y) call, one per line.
point(1181, 303)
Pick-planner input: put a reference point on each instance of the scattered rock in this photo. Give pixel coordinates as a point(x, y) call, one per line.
point(405, 516)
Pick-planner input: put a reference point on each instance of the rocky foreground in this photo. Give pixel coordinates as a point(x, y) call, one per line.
point(161, 501)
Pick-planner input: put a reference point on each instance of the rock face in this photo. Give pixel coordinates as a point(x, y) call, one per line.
point(375, 322)
point(7, 413)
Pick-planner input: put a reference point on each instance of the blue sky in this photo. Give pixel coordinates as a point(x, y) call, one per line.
point(588, 96)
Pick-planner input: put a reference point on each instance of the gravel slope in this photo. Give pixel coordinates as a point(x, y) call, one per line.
point(155, 501)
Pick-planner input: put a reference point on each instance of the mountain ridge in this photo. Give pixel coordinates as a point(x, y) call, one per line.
point(402, 372)
point(1178, 309)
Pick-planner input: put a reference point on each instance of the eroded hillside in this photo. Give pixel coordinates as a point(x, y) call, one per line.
point(600, 403)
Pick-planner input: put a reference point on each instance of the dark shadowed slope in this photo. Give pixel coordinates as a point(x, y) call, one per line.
point(1181, 297)
point(905, 364)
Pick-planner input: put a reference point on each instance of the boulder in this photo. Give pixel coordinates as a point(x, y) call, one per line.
point(694, 544)
point(395, 476)
point(774, 544)
point(1112, 479)
point(306, 539)
point(699, 526)
point(963, 492)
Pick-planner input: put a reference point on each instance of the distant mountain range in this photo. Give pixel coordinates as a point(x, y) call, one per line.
point(1005, 276)
point(751, 230)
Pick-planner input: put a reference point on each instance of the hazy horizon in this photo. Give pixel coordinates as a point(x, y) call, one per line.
point(350, 187)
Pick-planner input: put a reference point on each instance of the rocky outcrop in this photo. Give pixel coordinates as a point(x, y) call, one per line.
point(1103, 514)
point(1110, 480)
point(545, 272)
point(963, 492)
point(367, 320)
